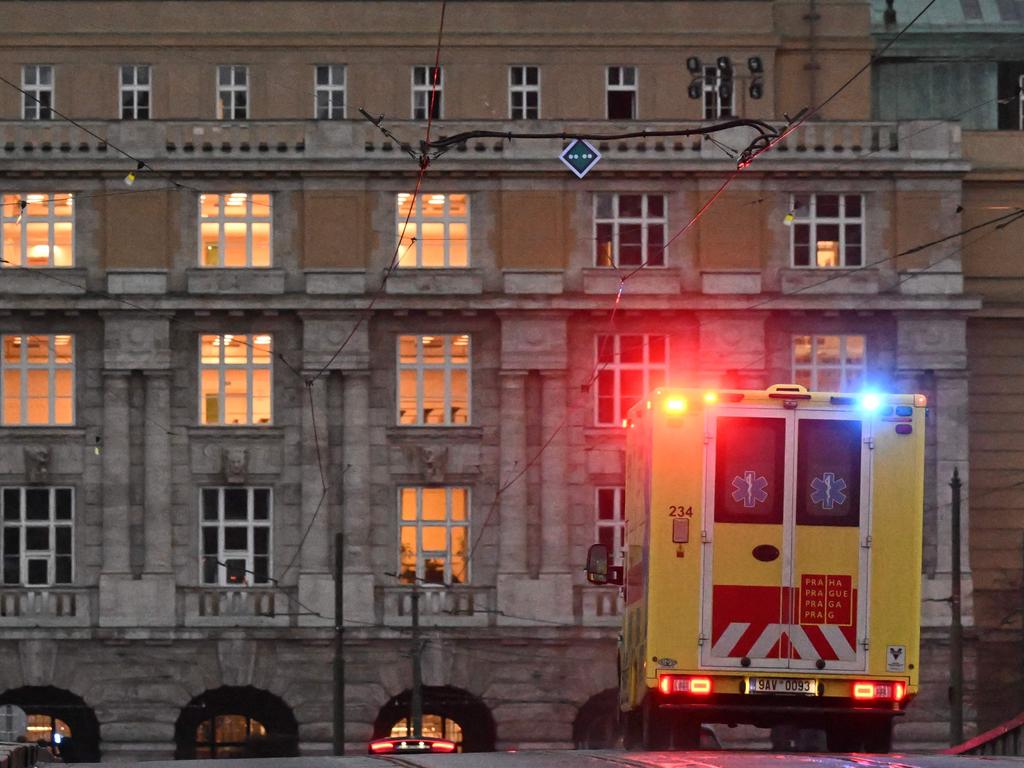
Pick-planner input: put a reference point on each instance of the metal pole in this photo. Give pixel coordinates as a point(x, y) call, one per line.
point(956, 632)
point(416, 699)
point(339, 644)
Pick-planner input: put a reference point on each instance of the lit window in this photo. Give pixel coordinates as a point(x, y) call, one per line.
point(433, 727)
point(437, 233)
point(629, 367)
point(611, 520)
point(227, 736)
point(621, 90)
point(717, 90)
point(135, 92)
point(50, 729)
point(38, 230)
point(828, 230)
point(234, 230)
point(433, 380)
point(37, 525)
point(426, 91)
point(629, 230)
point(37, 97)
point(232, 92)
point(38, 382)
point(235, 528)
point(829, 363)
point(235, 379)
point(329, 92)
point(524, 92)
point(434, 535)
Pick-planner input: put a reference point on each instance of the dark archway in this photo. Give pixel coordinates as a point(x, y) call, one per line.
point(236, 721)
point(451, 704)
point(51, 705)
point(597, 723)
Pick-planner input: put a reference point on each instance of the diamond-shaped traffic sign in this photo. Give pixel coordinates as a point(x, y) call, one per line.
point(580, 157)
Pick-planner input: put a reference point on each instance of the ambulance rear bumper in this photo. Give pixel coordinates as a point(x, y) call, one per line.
point(765, 711)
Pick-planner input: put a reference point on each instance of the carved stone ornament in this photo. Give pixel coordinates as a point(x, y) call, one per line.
point(433, 463)
point(236, 464)
point(37, 464)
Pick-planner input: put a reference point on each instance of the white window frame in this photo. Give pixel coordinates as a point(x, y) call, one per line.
point(617, 523)
point(20, 526)
point(634, 88)
point(812, 220)
point(617, 366)
point(329, 89)
point(251, 217)
point(523, 89)
point(134, 90)
point(447, 365)
point(814, 368)
point(12, 214)
point(225, 93)
point(249, 366)
point(424, 90)
point(30, 108)
point(716, 107)
point(250, 523)
point(50, 367)
point(415, 227)
point(448, 523)
point(645, 221)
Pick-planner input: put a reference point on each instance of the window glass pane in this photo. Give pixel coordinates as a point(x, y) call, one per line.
point(459, 397)
point(434, 504)
point(234, 244)
point(37, 504)
point(459, 555)
point(261, 504)
point(828, 472)
point(432, 244)
point(62, 256)
point(458, 250)
point(852, 206)
point(209, 235)
point(261, 569)
point(631, 349)
point(854, 350)
point(433, 397)
point(630, 206)
point(749, 470)
point(236, 538)
point(236, 504)
point(261, 540)
point(62, 569)
point(37, 538)
point(802, 350)
point(408, 554)
point(604, 254)
point(12, 504)
point(37, 572)
point(62, 537)
point(458, 501)
point(605, 503)
point(210, 546)
point(827, 350)
point(827, 206)
point(261, 244)
point(209, 394)
point(261, 397)
point(657, 349)
point(408, 412)
point(606, 349)
point(235, 397)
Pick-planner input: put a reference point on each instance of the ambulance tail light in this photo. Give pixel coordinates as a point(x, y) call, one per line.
point(694, 686)
point(875, 691)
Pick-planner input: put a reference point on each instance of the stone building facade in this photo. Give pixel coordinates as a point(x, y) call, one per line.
point(211, 371)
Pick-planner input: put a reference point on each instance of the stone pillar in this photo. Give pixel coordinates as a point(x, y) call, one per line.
point(733, 341)
point(355, 501)
point(316, 581)
point(158, 473)
point(512, 502)
point(116, 478)
point(554, 470)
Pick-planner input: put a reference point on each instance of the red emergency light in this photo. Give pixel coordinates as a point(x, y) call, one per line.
point(871, 691)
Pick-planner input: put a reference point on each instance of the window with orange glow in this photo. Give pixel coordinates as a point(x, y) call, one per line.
point(830, 363)
point(235, 230)
point(629, 366)
point(437, 233)
point(828, 230)
point(235, 379)
point(434, 535)
point(227, 736)
point(434, 380)
point(433, 727)
point(37, 385)
point(629, 230)
point(50, 729)
point(39, 233)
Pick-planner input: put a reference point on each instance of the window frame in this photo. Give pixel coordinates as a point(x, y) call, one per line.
point(51, 523)
point(249, 366)
point(524, 89)
point(616, 523)
point(720, 107)
point(448, 523)
point(616, 366)
point(416, 221)
point(814, 368)
point(134, 89)
point(609, 88)
point(644, 221)
point(52, 366)
point(13, 215)
point(425, 90)
point(28, 104)
point(420, 366)
point(231, 88)
point(250, 524)
point(248, 219)
point(330, 88)
point(811, 219)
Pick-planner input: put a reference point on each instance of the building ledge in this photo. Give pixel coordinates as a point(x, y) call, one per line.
point(832, 280)
point(137, 281)
point(605, 280)
point(207, 280)
point(43, 280)
point(548, 281)
point(335, 281)
point(730, 281)
point(436, 281)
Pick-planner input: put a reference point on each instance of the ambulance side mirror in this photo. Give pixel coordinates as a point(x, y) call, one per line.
point(599, 568)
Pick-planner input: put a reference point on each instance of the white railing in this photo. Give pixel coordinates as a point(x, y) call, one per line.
point(439, 606)
point(234, 606)
point(45, 607)
point(598, 606)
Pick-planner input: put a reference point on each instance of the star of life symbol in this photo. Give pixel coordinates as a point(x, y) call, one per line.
point(828, 490)
point(750, 489)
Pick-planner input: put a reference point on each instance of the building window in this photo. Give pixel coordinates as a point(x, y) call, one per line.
point(38, 382)
point(828, 230)
point(611, 520)
point(433, 380)
point(629, 366)
point(432, 727)
point(629, 230)
point(234, 230)
point(434, 535)
point(621, 93)
point(227, 736)
point(717, 91)
point(37, 96)
point(235, 379)
point(37, 525)
point(232, 92)
point(437, 232)
point(829, 363)
point(1010, 90)
point(524, 92)
point(235, 530)
point(50, 729)
point(38, 230)
point(329, 92)
point(423, 88)
point(135, 92)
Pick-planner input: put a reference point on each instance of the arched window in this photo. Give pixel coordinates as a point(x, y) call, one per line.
point(449, 713)
point(227, 736)
point(236, 721)
point(434, 727)
point(52, 729)
point(59, 717)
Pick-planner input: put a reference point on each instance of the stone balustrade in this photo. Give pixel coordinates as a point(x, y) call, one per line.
point(598, 606)
point(46, 607)
point(439, 606)
point(236, 607)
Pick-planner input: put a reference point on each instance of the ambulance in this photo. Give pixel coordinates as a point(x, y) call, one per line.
point(772, 565)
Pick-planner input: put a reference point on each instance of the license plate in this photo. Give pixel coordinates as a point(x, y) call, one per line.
point(799, 686)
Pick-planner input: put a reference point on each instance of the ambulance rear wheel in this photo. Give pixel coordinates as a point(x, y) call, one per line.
point(656, 729)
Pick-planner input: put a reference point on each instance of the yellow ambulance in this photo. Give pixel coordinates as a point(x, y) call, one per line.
point(772, 572)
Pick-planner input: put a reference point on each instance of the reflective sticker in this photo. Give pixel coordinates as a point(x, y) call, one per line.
point(750, 489)
point(828, 490)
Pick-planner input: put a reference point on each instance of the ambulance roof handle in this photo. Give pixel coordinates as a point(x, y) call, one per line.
point(787, 388)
